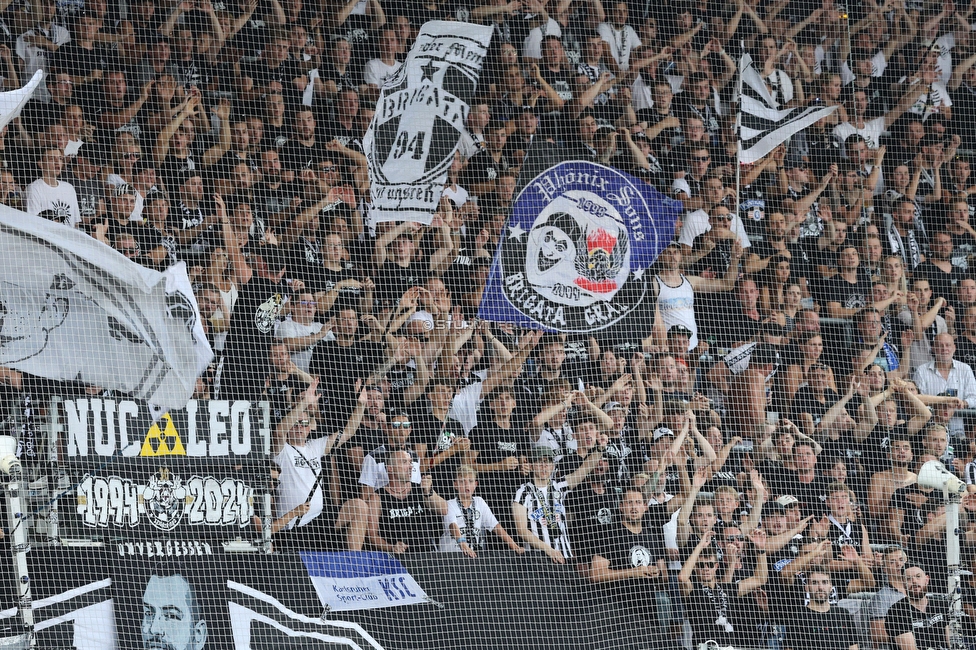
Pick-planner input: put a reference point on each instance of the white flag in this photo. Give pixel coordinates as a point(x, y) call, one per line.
point(12, 101)
point(72, 308)
point(419, 120)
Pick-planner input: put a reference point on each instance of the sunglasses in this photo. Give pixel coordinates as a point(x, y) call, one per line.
point(401, 425)
point(735, 538)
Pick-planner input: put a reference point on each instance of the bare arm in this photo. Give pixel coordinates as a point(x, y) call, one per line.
point(684, 578)
point(216, 152)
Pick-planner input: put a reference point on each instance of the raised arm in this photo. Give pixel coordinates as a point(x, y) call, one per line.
point(684, 578)
point(387, 238)
point(684, 515)
point(216, 152)
point(761, 574)
point(352, 424)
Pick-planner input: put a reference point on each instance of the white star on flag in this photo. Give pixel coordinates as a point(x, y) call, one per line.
point(516, 232)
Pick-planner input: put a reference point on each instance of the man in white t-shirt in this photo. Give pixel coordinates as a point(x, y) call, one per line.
point(56, 199)
point(620, 36)
point(872, 130)
point(379, 69)
point(303, 508)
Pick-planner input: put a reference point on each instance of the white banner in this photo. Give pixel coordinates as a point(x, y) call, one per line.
point(373, 580)
point(420, 118)
point(12, 101)
point(74, 309)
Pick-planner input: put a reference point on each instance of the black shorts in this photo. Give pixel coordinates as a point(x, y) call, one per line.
point(320, 534)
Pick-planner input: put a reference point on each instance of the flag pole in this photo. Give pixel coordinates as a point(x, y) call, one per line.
point(738, 130)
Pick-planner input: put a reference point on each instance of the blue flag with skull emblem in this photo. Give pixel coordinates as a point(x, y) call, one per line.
point(419, 120)
point(574, 254)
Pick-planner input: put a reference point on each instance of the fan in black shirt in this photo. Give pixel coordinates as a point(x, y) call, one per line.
point(401, 269)
point(442, 437)
point(405, 518)
point(719, 610)
point(915, 621)
point(341, 362)
point(302, 151)
point(337, 73)
point(819, 625)
point(630, 561)
point(850, 290)
point(591, 510)
point(257, 311)
point(498, 451)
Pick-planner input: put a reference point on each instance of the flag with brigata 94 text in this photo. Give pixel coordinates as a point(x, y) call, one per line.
point(419, 120)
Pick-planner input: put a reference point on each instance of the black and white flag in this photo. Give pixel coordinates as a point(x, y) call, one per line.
point(764, 126)
point(419, 120)
point(262, 622)
point(74, 309)
point(13, 100)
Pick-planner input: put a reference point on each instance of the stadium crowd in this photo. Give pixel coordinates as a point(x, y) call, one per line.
point(741, 453)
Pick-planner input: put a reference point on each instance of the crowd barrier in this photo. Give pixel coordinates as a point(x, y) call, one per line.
point(93, 601)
